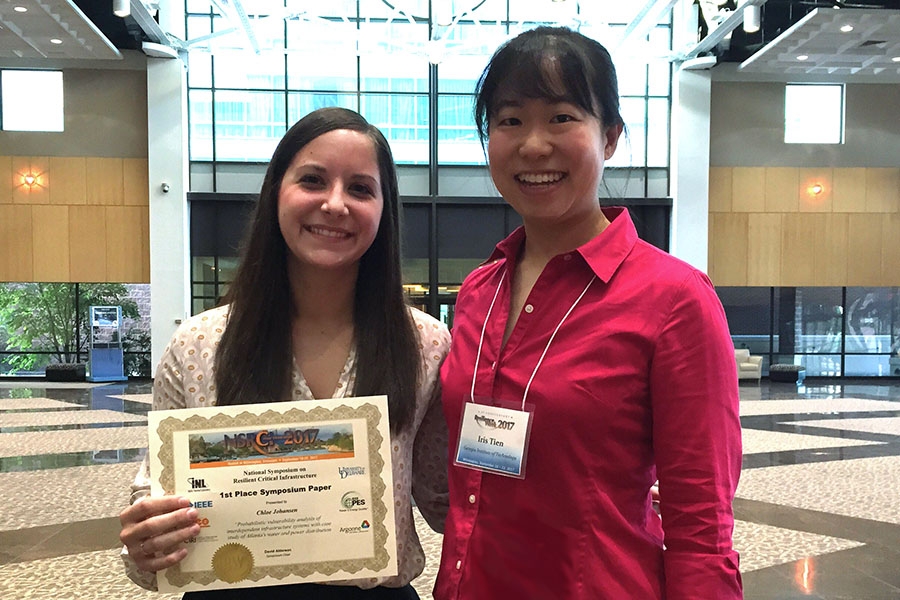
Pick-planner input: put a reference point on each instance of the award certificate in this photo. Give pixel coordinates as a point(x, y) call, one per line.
point(287, 492)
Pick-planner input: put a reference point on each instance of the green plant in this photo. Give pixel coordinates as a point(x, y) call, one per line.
point(137, 341)
point(53, 317)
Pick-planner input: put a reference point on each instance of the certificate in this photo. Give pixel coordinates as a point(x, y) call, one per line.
point(287, 492)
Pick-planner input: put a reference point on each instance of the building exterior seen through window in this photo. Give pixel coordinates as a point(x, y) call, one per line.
point(830, 331)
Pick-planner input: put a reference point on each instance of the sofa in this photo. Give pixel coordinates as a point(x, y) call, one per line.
point(748, 366)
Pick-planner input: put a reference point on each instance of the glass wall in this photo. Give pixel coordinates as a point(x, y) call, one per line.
point(411, 71)
point(443, 239)
point(830, 331)
point(47, 323)
point(398, 66)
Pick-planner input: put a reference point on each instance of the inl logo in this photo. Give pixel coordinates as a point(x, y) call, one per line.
point(197, 484)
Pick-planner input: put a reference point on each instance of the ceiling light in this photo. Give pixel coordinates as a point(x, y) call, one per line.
point(55, 41)
point(121, 8)
point(847, 28)
point(751, 18)
point(20, 9)
point(803, 57)
point(896, 59)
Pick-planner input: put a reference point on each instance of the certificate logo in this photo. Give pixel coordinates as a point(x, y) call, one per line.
point(346, 472)
point(220, 449)
point(197, 485)
point(364, 526)
point(352, 501)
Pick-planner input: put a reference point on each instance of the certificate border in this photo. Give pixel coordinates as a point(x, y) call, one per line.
point(168, 426)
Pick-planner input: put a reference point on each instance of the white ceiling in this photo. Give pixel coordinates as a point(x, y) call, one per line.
point(28, 34)
point(865, 53)
point(867, 50)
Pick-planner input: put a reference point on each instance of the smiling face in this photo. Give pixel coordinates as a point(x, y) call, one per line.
point(547, 157)
point(330, 201)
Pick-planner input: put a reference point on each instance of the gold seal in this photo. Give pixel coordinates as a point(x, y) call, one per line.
point(232, 562)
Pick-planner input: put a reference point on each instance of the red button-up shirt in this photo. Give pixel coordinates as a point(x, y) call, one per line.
point(639, 383)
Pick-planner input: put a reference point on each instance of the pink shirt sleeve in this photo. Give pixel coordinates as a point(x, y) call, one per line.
point(697, 443)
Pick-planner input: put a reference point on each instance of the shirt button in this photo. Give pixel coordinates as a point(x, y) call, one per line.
point(494, 366)
point(472, 499)
point(458, 565)
point(529, 308)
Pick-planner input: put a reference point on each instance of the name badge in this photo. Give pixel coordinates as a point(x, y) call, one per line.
point(494, 439)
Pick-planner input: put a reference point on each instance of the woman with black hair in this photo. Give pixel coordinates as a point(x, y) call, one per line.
point(585, 364)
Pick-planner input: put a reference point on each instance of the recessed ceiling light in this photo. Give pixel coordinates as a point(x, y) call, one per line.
point(20, 9)
point(55, 41)
point(803, 57)
point(847, 28)
point(896, 59)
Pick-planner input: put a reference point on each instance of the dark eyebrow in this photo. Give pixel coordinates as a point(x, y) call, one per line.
point(318, 168)
point(367, 178)
point(501, 104)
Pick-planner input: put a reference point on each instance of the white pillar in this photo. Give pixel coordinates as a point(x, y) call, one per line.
point(167, 153)
point(690, 166)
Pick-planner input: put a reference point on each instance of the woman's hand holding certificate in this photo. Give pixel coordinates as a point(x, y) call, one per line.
point(155, 531)
point(267, 494)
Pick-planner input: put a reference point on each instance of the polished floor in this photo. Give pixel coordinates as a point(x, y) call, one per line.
point(818, 506)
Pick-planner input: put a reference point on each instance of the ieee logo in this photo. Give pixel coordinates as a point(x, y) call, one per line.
point(197, 484)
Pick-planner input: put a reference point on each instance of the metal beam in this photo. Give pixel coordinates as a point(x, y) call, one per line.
point(641, 23)
point(148, 24)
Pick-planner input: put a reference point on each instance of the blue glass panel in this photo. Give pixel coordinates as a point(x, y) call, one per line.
point(404, 121)
point(200, 119)
point(458, 142)
point(301, 104)
point(248, 124)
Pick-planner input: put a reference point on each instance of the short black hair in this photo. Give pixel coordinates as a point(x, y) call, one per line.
point(553, 63)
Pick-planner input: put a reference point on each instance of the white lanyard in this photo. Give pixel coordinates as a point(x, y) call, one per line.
point(546, 348)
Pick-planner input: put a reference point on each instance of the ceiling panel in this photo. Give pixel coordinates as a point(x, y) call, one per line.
point(848, 43)
point(27, 28)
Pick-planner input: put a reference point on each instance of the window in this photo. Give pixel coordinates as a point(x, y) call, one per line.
point(813, 114)
point(32, 100)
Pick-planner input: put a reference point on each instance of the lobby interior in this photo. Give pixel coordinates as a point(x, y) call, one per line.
point(816, 509)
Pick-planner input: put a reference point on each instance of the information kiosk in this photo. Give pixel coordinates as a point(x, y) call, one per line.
point(107, 357)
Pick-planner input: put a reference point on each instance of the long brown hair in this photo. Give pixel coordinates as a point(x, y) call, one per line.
point(254, 359)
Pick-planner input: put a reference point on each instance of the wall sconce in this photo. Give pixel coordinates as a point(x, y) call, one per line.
point(816, 189)
point(31, 180)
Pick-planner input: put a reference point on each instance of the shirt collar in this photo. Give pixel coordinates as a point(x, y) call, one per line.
point(603, 254)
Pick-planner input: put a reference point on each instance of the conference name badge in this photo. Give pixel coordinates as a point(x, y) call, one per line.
point(494, 439)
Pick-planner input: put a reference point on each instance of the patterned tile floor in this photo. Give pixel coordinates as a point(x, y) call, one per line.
point(817, 507)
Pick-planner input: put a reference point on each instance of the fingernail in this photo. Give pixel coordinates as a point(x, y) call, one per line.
point(192, 513)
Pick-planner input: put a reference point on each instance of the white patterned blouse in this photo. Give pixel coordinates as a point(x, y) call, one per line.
point(185, 379)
